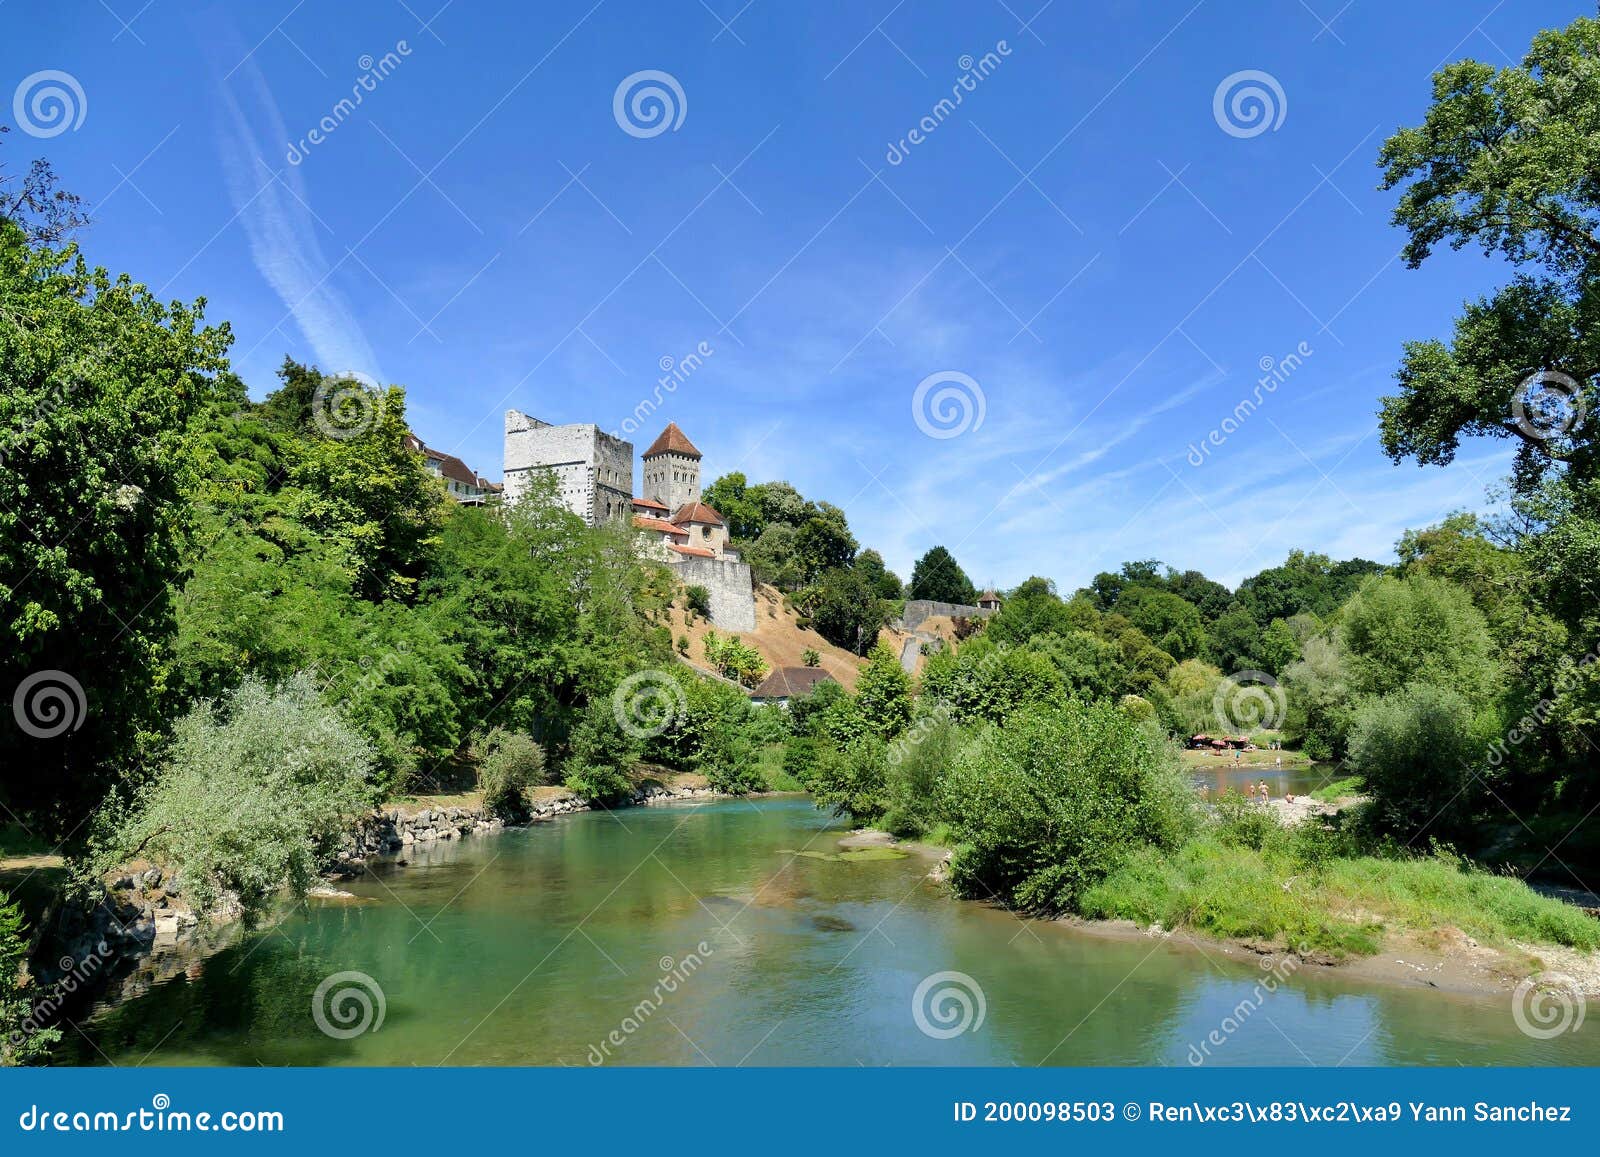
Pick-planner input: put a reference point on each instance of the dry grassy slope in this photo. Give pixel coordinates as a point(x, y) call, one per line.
point(779, 637)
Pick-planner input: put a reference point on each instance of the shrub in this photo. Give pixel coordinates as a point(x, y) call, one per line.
point(810, 657)
point(730, 765)
point(21, 1039)
point(917, 763)
point(1052, 801)
point(683, 645)
point(255, 795)
point(852, 780)
point(510, 764)
point(602, 756)
point(803, 755)
point(1416, 750)
point(698, 600)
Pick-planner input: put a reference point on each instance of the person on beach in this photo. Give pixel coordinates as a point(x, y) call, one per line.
point(1266, 792)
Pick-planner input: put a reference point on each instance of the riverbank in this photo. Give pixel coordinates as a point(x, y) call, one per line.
point(143, 930)
point(1429, 922)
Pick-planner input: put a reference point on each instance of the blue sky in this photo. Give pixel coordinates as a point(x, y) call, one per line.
point(1082, 237)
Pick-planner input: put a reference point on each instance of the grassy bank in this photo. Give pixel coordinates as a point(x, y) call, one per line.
point(1285, 893)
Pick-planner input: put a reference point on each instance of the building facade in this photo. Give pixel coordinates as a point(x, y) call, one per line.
point(592, 469)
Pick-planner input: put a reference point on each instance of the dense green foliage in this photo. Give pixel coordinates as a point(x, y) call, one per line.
point(23, 1039)
point(255, 792)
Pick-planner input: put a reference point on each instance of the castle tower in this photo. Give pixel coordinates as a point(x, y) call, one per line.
point(672, 469)
point(593, 470)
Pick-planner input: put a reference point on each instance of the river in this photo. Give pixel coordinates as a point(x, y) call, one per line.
point(558, 944)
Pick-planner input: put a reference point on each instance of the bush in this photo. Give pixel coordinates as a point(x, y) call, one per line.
point(803, 755)
point(852, 780)
point(602, 757)
point(510, 764)
point(917, 763)
point(1416, 750)
point(730, 765)
point(256, 794)
point(21, 1039)
point(1051, 802)
point(810, 657)
point(698, 600)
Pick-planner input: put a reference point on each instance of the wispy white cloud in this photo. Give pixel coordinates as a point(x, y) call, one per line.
point(274, 208)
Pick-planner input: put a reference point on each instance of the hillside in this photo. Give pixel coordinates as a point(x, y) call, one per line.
point(779, 637)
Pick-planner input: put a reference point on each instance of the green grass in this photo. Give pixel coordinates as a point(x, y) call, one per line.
point(17, 841)
point(1286, 894)
point(1340, 789)
point(769, 762)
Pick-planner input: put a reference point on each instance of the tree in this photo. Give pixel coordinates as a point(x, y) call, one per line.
point(885, 583)
point(602, 757)
point(1418, 750)
point(1401, 631)
point(1171, 622)
point(44, 213)
point(824, 542)
point(844, 610)
point(1505, 159)
point(938, 578)
point(883, 692)
point(99, 383)
point(1047, 805)
point(743, 515)
point(1279, 647)
point(1031, 610)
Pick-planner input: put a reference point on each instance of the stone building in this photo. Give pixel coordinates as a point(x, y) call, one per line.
point(593, 469)
point(672, 469)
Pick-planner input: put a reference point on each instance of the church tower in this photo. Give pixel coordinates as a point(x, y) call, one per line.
point(672, 470)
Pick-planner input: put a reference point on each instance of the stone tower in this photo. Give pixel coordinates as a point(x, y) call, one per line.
point(593, 470)
point(672, 469)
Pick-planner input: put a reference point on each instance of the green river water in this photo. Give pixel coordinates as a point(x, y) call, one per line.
point(548, 945)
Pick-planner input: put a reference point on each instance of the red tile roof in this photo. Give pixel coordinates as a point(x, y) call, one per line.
point(674, 441)
point(650, 502)
point(694, 550)
point(643, 522)
point(697, 512)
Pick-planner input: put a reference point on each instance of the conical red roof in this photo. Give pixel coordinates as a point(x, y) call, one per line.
point(674, 441)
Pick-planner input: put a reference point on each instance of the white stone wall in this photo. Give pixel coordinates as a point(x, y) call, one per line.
point(733, 604)
point(593, 470)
